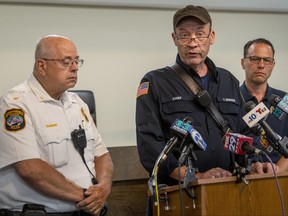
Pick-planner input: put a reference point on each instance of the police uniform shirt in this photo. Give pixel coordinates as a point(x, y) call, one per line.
point(162, 98)
point(38, 126)
point(279, 126)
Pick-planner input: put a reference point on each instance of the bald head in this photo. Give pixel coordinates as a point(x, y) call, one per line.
point(51, 68)
point(50, 46)
point(45, 48)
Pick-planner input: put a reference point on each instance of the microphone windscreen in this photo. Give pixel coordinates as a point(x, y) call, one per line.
point(274, 100)
point(249, 105)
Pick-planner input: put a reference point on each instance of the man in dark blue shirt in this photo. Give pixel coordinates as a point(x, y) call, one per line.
point(258, 63)
point(163, 97)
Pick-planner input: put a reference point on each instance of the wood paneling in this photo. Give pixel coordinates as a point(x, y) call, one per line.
point(129, 190)
point(226, 197)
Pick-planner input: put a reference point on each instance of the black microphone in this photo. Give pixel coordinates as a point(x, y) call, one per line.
point(240, 144)
point(280, 106)
point(280, 146)
point(257, 129)
point(246, 147)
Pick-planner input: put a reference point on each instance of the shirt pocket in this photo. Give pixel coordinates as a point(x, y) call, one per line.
point(179, 105)
point(229, 108)
point(179, 109)
point(55, 144)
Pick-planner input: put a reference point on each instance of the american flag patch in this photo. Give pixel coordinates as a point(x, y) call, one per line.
point(143, 89)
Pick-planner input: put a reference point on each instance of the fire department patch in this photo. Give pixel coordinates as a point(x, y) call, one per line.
point(15, 119)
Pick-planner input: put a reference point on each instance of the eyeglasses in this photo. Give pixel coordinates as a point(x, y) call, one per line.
point(67, 62)
point(185, 39)
point(256, 60)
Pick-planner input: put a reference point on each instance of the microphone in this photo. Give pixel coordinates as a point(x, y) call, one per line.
point(240, 144)
point(180, 130)
point(257, 129)
point(195, 136)
point(194, 141)
point(257, 114)
point(280, 106)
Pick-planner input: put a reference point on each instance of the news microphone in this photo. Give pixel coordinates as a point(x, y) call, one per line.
point(195, 136)
point(251, 150)
point(257, 129)
point(256, 114)
point(240, 144)
point(280, 106)
point(179, 129)
point(194, 142)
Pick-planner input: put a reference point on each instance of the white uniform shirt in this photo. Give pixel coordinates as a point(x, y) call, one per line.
point(38, 126)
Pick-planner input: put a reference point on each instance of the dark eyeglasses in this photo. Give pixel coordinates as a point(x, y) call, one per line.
point(185, 39)
point(257, 59)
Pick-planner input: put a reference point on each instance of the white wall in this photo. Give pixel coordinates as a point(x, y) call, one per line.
point(120, 45)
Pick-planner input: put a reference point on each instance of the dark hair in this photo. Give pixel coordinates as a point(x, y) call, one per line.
point(257, 41)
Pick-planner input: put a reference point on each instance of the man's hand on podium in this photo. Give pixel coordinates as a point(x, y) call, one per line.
point(214, 173)
point(260, 168)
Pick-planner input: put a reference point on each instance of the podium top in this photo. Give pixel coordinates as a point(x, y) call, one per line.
point(199, 182)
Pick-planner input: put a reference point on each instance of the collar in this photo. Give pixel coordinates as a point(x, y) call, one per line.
point(212, 69)
point(40, 92)
point(248, 97)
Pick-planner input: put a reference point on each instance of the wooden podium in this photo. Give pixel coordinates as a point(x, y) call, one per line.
point(226, 196)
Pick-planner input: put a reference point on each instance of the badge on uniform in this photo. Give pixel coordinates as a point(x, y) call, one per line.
point(143, 89)
point(15, 119)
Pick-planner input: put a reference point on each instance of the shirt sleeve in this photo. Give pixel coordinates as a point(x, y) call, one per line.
point(150, 132)
point(17, 137)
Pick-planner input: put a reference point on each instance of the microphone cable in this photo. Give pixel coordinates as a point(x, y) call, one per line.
point(278, 187)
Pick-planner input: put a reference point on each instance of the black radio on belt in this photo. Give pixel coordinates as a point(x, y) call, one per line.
point(33, 210)
point(79, 139)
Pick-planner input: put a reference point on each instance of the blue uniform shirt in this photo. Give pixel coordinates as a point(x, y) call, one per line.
point(163, 97)
point(280, 127)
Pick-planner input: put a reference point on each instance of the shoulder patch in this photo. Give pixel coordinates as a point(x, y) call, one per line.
point(14, 119)
point(143, 89)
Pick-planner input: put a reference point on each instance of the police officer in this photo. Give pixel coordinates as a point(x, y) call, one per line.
point(39, 159)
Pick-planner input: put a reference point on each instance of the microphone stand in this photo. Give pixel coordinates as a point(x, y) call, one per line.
point(190, 173)
point(152, 182)
point(248, 162)
point(238, 171)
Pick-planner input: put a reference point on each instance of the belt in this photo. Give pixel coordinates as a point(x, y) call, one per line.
point(6, 212)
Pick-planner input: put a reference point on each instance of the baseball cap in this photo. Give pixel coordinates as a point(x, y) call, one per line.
point(192, 11)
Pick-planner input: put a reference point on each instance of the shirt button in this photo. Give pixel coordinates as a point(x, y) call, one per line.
point(213, 149)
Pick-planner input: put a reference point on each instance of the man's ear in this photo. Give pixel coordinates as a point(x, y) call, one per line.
point(41, 66)
point(174, 37)
point(212, 37)
point(242, 63)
